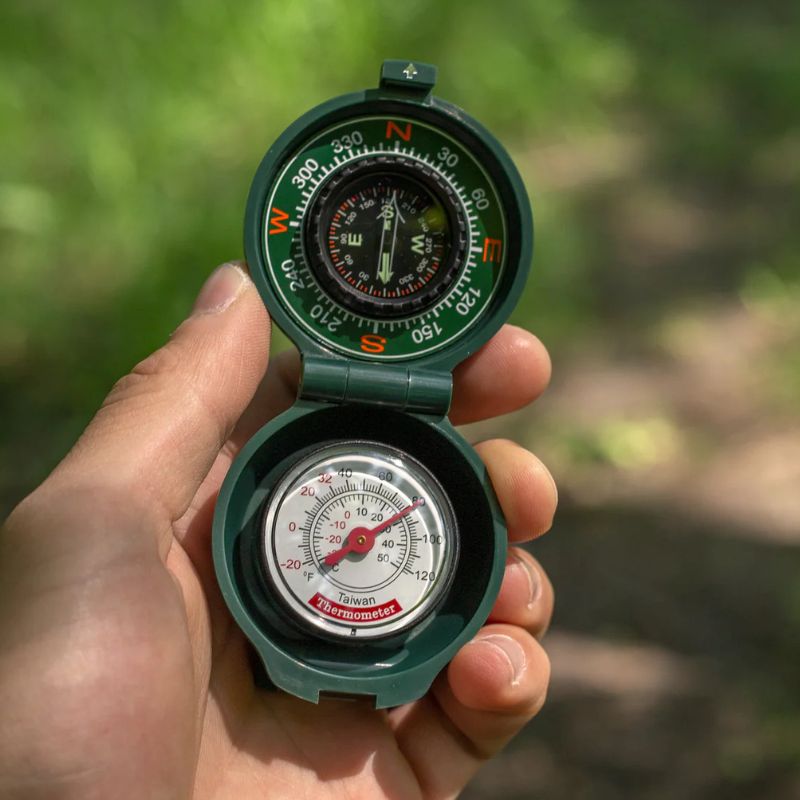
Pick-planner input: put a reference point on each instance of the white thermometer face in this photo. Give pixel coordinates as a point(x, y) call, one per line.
point(359, 540)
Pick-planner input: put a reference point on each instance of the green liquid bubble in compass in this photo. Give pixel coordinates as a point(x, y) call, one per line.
point(357, 539)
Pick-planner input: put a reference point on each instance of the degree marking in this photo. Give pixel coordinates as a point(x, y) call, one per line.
point(459, 191)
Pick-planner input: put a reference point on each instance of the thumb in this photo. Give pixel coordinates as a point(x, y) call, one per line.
point(161, 427)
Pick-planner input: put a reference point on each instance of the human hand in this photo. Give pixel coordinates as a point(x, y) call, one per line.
point(122, 675)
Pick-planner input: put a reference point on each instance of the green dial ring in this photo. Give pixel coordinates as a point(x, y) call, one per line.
point(491, 200)
point(295, 283)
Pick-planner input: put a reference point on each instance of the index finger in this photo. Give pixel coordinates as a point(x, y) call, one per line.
point(511, 370)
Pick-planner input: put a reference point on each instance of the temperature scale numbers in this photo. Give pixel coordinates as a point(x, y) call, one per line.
point(359, 541)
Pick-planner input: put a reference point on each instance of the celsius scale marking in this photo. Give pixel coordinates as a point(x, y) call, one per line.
point(357, 539)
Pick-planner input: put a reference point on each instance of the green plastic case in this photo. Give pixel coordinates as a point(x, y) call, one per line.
point(403, 403)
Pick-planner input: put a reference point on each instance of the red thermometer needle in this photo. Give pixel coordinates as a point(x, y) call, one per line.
point(361, 540)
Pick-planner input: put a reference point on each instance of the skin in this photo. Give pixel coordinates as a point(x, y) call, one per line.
point(121, 672)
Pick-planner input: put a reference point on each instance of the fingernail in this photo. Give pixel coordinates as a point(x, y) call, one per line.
point(221, 288)
point(511, 651)
point(531, 577)
point(553, 485)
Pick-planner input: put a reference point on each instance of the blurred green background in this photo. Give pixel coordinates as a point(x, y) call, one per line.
point(660, 142)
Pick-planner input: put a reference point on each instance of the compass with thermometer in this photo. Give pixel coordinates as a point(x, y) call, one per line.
point(357, 540)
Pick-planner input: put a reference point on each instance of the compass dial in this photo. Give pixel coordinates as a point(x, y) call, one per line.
point(387, 236)
point(359, 540)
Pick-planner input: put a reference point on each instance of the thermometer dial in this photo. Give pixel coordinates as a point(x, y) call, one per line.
point(359, 540)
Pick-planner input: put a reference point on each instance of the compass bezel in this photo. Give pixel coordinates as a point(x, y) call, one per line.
point(307, 334)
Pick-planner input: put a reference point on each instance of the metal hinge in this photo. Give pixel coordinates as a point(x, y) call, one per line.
point(417, 391)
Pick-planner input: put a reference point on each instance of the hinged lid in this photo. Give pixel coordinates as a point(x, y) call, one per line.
point(360, 308)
